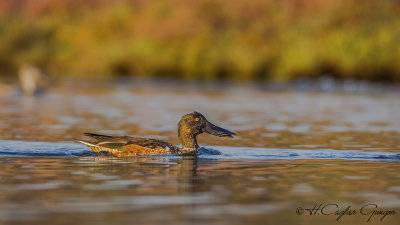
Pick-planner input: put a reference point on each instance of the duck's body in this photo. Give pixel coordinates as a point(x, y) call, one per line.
point(130, 146)
point(190, 126)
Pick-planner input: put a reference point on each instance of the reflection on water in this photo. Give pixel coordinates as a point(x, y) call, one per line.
point(190, 190)
point(294, 151)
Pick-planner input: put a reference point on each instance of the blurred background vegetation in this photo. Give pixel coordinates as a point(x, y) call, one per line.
point(277, 40)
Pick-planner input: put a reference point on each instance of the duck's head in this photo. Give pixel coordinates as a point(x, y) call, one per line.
point(195, 123)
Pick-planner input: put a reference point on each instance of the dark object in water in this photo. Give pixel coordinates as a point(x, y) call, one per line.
point(189, 127)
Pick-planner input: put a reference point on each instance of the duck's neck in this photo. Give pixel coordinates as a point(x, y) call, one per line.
point(189, 141)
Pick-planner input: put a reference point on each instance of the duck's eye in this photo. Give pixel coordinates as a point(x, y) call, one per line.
point(197, 119)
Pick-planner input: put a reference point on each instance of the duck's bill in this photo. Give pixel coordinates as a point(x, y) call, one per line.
point(218, 131)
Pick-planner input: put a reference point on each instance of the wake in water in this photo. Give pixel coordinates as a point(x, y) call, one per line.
point(46, 149)
point(207, 151)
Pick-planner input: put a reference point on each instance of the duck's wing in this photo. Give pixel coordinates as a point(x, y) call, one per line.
point(129, 146)
point(105, 138)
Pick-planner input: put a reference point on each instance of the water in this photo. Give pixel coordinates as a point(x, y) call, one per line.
point(31, 149)
point(294, 151)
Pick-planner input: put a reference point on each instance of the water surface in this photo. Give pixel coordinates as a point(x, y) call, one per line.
point(295, 151)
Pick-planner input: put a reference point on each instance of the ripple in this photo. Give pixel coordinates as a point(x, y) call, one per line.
point(394, 189)
point(208, 151)
point(104, 177)
point(51, 185)
point(303, 189)
point(113, 185)
point(355, 177)
point(32, 149)
point(235, 210)
point(127, 203)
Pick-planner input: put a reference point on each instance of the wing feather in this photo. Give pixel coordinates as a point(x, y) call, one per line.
point(120, 145)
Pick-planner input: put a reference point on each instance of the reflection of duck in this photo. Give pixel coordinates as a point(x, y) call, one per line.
point(189, 127)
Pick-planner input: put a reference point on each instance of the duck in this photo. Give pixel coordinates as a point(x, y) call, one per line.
point(189, 127)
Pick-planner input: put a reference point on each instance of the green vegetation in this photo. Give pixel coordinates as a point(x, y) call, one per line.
point(276, 40)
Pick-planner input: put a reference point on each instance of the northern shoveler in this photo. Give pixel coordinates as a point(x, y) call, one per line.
point(189, 127)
